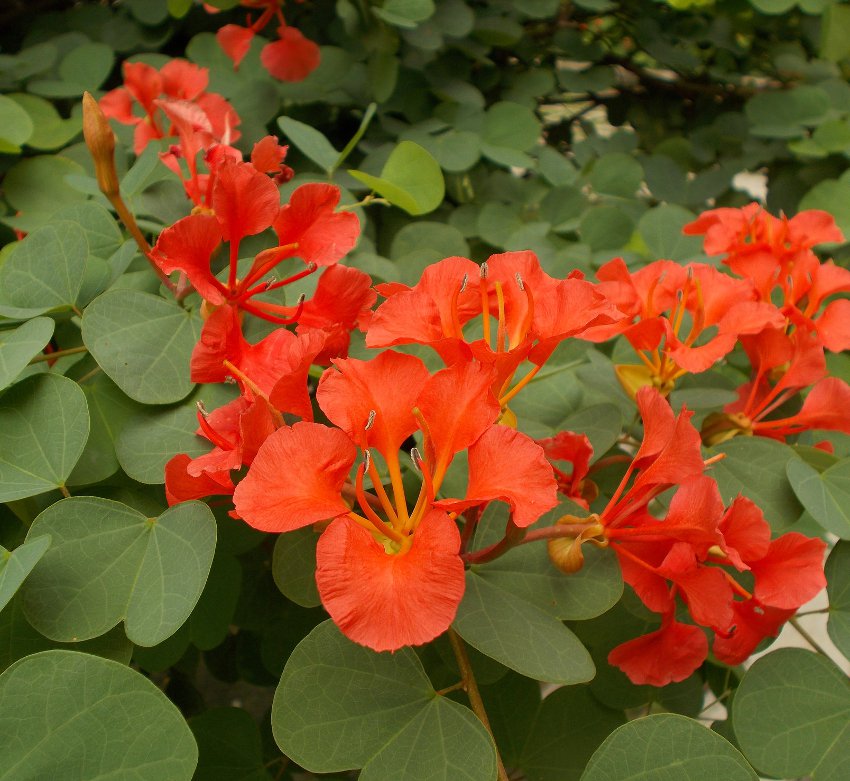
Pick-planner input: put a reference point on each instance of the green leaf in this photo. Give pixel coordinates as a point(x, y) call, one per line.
point(833, 196)
point(787, 113)
point(102, 233)
point(405, 13)
point(211, 619)
point(310, 142)
point(109, 562)
point(826, 496)
point(835, 32)
point(44, 425)
point(410, 179)
point(143, 343)
point(755, 467)
point(554, 750)
point(368, 114)
point(36, 186)
point(19, 345)
point(16, 126)
point(616, 174)
point(77, 717)
point(153, 435)
point(837, 571)
point(294, 566)
point(666, 746)
point(606, 228)
point(661, 229)
point(791, 714)
point(87, 66)
point(17, 564)
point(519, 634)
point(109, 409)
point(341, 706)
point(229, 746)
point(18, 639)
point(510, 125)
point(44, 271)
point(50, 130)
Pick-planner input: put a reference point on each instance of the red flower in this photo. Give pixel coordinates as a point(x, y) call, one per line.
point(394, 580)
point(291, 58)
point(533, 313)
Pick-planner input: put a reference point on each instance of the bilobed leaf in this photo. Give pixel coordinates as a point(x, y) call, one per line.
point(17, 564)
point(143, 343)
point(109, 562)
point(755, 467)
point(36, 185)
point(44, 425)
point(19, 345)
point(310, 142)
point(826, 495)
point(517, 633)
point(50, 129)
point(837, 571)
point(45, 271)
point(661, 229)
point(410, 179)
point(616, 174)
point(666, 746)
point(791, 714)
point(69, 715)
point(786, 113)
point(341, 706)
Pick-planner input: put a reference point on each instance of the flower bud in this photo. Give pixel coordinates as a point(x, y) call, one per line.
point(101, 143)
point(565, 553)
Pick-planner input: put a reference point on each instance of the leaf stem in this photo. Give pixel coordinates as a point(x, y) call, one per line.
point(808, 638)
point(59, 354)
point(471, 688)
point(507, 542)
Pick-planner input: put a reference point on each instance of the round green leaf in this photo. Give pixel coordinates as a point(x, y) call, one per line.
point(17, 564)
point(68, 715)
point(792, 716)
point(520, 635)
point(661, 229)
point(37, 184)
point(405, 13)
point(755, 467)
point(87, 66)
point(44, 425)
point(826, 496)
point(837, 571)
point(294, 566)
point(341, 706)
point(666, 747)
point(616, 174)
point(510, 125)
point(109, 562)
point(833, 196)
point(786, 113)
point(15, 125)
point(410, 179)
point(44, 271)
point(19, 345)
point(143, 342)
point(606, 227)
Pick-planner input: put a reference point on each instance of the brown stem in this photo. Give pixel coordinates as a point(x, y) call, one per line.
point(506, 543)
point(59, 354)
point(65, 492)
point(471, 688)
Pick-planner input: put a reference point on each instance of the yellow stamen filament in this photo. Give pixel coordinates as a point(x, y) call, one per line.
point(501, 333)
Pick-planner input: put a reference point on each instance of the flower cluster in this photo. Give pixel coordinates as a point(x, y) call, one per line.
point(292, 57)
point(692, 552)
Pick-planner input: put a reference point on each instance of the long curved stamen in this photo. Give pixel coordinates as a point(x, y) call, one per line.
point(385, 529)
point(210, 433)
point(519, 386)
point(485, 302)
point(266, 261)
point(528, 319)
point(261, 309)
point(264, 287)
point(501, 331)
point(457, 328)
point(426, 491)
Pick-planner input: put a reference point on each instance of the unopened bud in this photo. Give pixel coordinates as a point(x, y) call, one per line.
point(565, 553)
point(101, 143)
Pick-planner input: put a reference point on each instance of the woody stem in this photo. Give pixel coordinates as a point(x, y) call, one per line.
point(471, 688)
point(59, 354)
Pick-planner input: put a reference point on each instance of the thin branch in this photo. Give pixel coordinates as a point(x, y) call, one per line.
point(59, 354)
